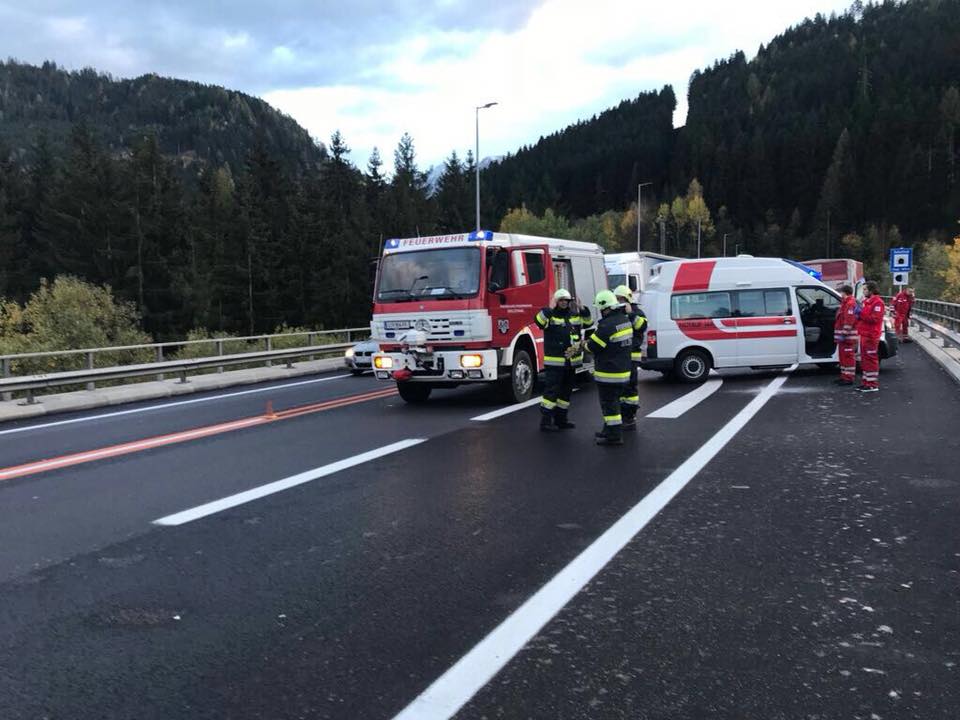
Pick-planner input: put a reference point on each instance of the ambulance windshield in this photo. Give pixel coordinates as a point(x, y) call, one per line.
point(435, 274)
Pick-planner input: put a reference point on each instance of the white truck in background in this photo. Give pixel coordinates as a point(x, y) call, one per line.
point(632, 269)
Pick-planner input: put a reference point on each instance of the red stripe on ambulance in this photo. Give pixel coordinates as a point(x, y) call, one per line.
point(694, 276)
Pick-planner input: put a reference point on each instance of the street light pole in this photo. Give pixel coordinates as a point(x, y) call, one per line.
point(639, 195)
point(476, 157)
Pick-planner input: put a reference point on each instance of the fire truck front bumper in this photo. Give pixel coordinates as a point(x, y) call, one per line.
point(437, 366)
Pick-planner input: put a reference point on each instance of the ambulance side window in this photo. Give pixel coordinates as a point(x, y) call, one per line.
point(816, 302)
point(697, 306)
point(762, 303)
point(777, 302)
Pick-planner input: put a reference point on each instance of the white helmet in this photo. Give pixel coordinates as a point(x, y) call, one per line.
point(561, 294)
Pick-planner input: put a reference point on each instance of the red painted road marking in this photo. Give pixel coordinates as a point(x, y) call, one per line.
point(185, 435)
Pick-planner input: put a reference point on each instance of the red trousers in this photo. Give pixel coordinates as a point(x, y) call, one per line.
point(847, 349)
point(902, 323)
point(870, 360)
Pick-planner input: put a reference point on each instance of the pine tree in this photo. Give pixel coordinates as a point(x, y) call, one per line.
point(411, 208)
point(453, 197)
point(87, 222)
point(159, 237)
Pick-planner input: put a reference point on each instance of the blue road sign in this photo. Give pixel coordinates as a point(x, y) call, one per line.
point(901, 259)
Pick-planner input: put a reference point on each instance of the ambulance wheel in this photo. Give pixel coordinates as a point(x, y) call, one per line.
point(518, 387)
point(414, 393)
point(693, 366)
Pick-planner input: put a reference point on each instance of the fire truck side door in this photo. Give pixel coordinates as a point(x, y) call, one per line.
point(527, 291)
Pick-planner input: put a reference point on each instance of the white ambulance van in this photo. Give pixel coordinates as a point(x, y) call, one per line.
point(739, 312)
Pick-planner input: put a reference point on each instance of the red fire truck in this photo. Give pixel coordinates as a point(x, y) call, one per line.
point(455, 309)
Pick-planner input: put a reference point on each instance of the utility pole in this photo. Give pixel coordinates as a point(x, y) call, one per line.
point(663, 238)
point(725, 244)
point(639, 205)
point(698, 237)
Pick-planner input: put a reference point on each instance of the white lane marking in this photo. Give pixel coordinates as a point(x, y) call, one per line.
point(279, 485)
point(506, 410)
point(679, 406)
point(169, 404)
point(452, 690)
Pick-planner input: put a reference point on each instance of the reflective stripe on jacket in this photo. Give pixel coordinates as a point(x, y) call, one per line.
point(639, 323)
point(611, 344)
point(562, 330)
point(845, 324)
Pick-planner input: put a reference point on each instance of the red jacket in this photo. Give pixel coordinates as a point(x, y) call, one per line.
point(902, 303)
point(845, 324)
point(871, 317)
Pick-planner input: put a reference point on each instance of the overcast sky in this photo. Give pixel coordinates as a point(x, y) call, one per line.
point(375, 70)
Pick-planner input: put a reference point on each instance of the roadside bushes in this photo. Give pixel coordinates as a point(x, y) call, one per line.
point(69, 314)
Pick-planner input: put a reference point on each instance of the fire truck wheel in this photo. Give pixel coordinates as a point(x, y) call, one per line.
point(519, 386)
point(414, 392)
point(693, 366)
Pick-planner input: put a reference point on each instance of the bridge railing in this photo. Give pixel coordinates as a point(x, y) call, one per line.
point(940, 319)
point(945, 313)
point(223, 351)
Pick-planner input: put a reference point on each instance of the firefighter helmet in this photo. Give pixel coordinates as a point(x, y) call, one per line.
point(561, 294)
point(622, 291)
point(606, 300)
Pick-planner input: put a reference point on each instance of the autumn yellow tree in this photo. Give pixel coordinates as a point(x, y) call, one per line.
point(951, 274)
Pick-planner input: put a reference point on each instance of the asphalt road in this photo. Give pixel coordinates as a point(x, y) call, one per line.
point(809, 570)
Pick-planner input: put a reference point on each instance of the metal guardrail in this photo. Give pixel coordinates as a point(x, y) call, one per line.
point(941, 319)
point(943, 312)
point(90, 374)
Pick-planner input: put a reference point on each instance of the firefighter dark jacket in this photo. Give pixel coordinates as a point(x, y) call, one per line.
point(562, 330)
point(611, 345)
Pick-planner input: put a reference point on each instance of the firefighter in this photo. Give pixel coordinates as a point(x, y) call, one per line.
point(611, 344)
point(902, 305)
point(563, 326)
point(630, 400)
point(870, 328)
point(845, 335)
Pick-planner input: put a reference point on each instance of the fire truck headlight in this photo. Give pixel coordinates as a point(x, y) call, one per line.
point(471, 361)
point(382, 362)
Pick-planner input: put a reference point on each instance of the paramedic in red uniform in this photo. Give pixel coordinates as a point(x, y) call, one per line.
point(902, 305)
point(845, 335)
point(870, 328)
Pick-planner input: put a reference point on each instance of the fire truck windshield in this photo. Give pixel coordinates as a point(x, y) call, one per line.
point(437, 274)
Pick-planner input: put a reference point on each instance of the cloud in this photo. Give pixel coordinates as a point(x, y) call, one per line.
point(377, 68)
point(568, 62)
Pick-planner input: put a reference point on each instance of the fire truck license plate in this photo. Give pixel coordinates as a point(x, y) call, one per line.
point(396, 324)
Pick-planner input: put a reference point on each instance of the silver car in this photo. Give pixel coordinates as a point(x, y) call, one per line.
point(359, 358)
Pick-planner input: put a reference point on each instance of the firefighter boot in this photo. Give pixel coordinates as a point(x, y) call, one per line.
point(611, 435)
point(546, 423)
point(629, 420)
point(560, 420)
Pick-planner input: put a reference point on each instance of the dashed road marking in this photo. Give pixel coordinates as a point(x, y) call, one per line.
point(679, 406)
point(454, 689)
point(232, 501)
